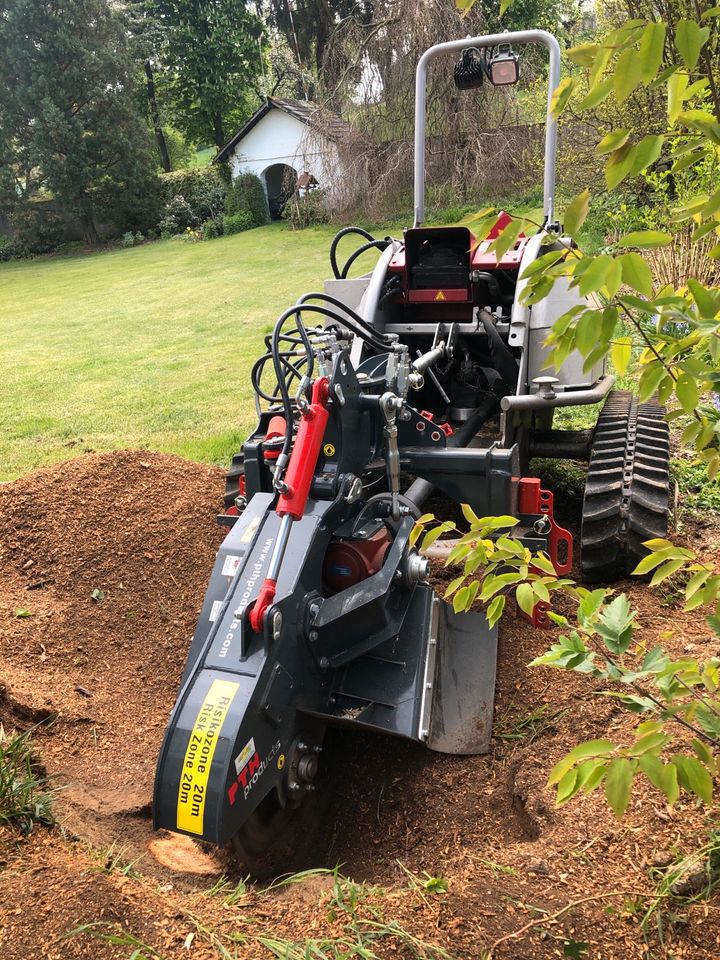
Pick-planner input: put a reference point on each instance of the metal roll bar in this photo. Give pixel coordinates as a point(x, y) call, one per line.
point(453, 46)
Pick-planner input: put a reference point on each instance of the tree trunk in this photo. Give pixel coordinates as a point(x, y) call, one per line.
point(219, 130)
point(155, 114)
point(89, 228)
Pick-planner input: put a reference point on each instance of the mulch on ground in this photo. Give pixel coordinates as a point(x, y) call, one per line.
point(110, 555)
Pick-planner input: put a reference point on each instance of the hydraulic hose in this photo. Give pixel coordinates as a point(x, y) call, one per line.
point(346, 231)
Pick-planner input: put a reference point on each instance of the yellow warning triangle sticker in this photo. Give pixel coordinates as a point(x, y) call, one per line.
point(440, 295)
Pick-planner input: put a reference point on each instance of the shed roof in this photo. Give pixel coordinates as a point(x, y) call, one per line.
point(328, 123)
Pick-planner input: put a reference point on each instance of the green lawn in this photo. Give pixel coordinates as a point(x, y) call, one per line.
point(146, 347)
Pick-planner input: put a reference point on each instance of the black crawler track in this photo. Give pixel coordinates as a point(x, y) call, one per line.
point(627, 489)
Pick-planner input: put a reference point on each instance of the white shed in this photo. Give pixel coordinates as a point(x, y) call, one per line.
point(286, 141)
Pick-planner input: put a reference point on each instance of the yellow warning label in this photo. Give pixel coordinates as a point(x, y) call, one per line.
point(329, 450)
point(440, 295)
point(199, 754)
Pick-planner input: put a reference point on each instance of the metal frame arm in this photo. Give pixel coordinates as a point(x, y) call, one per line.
point(518, 37)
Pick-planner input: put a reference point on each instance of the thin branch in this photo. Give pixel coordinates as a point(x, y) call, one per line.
point(547, 918)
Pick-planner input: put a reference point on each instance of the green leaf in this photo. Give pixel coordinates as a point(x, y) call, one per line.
point(560, 769)
point(677, 86)
point(567, 787)
point(576, 212)
point(561, 96)
point(686, 390)
point(591, 748)
point(597, 94)
point(651, 50)
point(690, 38)
point(506, 239)
point(460, 599)
point(618, 166)
point(620, 354)
point(469, 514)
point(525, 598)
point(22, 613)
point(628, 74)
point(636, 273)
point(495, 610)
point(618, 784)
point(694, 777)
point(706, 300)
point(645, 239)
point(645, 153)
point(650, 377)
point(595, 274)
point(453, 586)
point(612, 141)
point(665, 571)
point(661, 775)
point(590, 774)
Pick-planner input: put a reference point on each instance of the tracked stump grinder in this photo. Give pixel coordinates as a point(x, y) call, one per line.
point(426, 377)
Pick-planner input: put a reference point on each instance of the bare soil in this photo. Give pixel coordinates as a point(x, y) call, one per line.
point(110, 555)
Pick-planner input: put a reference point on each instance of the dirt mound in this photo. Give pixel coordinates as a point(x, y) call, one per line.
point(103, 565)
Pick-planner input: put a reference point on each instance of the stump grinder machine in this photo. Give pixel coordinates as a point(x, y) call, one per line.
point(426, 376)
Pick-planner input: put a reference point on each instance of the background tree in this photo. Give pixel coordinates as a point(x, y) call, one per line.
point(212, 53)
point(68, 113)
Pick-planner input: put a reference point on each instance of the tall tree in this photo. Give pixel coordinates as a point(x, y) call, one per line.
point(68, 112)
point(148, 39)
point(211, 51)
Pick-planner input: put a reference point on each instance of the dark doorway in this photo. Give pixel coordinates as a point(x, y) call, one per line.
point(280, 182)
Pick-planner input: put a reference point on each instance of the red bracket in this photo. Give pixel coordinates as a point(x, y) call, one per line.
point(533, 499)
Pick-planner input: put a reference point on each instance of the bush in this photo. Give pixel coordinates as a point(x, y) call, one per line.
point(301, 212)
point(7, 248)
point(128, 240)
point(202, 188)
point(212, 229)
point(247, 194)
point(36, 230)
point(237, 222)
point(178, 216)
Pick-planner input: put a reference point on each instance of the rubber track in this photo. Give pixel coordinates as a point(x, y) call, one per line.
point(627, 489)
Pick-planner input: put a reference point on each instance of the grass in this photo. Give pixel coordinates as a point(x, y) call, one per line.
point(24, 798)
point(146, 347)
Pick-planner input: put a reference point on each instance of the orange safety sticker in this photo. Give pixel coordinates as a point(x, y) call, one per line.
point(440, 295)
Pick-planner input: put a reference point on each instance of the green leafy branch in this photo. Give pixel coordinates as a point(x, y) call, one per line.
point(505, 565)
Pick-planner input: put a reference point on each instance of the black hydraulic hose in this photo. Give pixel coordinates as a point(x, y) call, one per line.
point(348, 310)
point(379, 244)
point(503, 360)
point(346, 231)
point(420, 489)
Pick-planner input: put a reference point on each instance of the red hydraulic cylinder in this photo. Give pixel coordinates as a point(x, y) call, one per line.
point(306, 450)
point(298, 479)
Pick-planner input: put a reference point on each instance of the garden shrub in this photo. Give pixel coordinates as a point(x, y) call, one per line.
point(128, 240)
point(301, 212)
point(202, 188)
point(237, 222)
point(247, 194)
point(178, 216)
point(7, 248)
point(212, 229)
point(36, 230)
